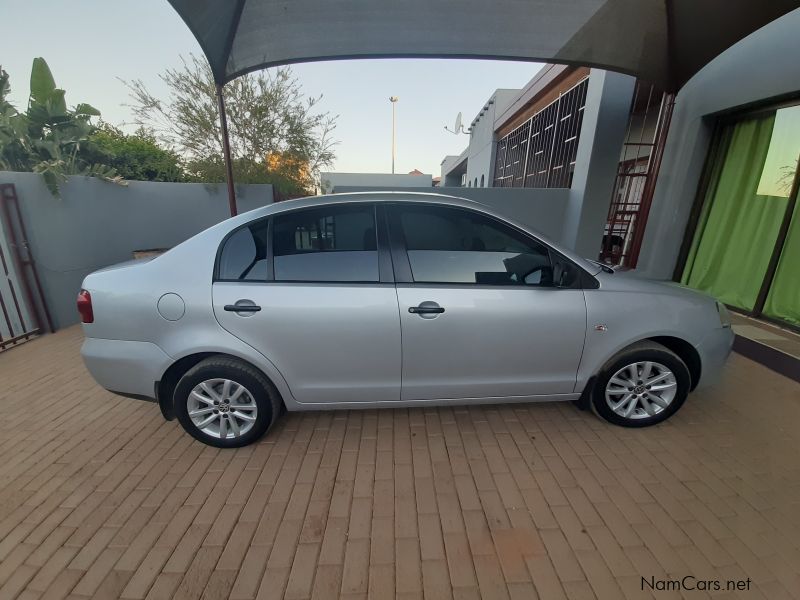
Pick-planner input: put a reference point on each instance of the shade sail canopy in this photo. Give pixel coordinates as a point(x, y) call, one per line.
point(663, 41)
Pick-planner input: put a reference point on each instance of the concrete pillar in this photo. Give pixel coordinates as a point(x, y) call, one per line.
point(605, 118)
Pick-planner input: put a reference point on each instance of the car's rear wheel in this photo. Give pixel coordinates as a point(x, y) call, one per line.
point(225, 402)
point(643, 385)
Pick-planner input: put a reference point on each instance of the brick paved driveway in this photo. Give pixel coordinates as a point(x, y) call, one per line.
point(99, 497)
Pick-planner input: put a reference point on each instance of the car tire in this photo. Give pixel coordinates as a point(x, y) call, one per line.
point(641, 386)
point(225, 402)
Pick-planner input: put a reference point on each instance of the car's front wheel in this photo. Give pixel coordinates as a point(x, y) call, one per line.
point(641, 386)
point(225, 402)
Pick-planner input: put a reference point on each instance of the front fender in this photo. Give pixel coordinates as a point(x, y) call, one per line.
point(617, 319)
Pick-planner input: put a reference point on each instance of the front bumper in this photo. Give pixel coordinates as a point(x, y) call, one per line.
point(125, 367)
point(714, 350)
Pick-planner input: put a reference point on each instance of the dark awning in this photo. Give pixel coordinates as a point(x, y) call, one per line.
point(663, 41)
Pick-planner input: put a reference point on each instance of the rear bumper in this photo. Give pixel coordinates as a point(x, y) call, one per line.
point(714, 350)
point(124, 367)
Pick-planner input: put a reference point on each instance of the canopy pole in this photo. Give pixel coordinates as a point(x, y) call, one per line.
point(226, 151)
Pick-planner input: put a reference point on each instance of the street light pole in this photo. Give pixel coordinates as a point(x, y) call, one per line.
point(226, 151)
point(393, 100)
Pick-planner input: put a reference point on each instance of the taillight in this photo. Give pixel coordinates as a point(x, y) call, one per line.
point(85, 306)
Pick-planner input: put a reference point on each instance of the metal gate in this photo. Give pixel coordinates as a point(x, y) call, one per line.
point(20, 309)
point(646, 136)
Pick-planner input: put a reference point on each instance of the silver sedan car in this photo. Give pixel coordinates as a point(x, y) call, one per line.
point(389, 299)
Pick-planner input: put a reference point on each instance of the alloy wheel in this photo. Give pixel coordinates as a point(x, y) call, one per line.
point(641, 390)
point(222, 408)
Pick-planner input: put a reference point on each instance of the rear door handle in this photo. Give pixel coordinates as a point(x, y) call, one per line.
point(242, 307)
point(426, 308)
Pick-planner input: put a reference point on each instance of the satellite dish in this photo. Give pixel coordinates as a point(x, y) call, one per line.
point(458, 128)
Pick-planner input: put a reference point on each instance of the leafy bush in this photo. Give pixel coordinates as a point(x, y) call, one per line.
point(48, 137)
point(135, 156)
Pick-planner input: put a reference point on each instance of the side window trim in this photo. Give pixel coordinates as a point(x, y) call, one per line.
point(397, 244)
point(386, 269)
point(270, 251)
point(399, 251)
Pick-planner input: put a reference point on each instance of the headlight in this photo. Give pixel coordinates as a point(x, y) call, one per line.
point(724, 315)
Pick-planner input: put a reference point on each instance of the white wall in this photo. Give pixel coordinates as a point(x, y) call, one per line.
point(331, 181)
point(540, 209)
point(95, 224)
point(482, 143)
point(605, 118)
point(451, 170)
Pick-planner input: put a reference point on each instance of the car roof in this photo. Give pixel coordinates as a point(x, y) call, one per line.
point(376, 196)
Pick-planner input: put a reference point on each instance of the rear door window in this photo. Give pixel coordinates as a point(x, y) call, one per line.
point(328, 244)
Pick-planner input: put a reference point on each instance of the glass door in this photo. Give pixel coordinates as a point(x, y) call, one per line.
point(746, 248)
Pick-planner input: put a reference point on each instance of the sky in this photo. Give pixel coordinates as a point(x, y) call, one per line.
point(781, 160)
point(91, 44)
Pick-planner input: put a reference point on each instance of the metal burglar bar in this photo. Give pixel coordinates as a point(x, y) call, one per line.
point(541, 152)
point(513, 158)
point(630, 202)
point(19, 318)
point(570, 118)
point(500, 162)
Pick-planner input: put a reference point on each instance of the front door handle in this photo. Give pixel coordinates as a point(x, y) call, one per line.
point(426, 308)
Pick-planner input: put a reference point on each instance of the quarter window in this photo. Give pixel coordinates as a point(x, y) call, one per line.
point(244, 256)
point(336, 243)
point(447, 245)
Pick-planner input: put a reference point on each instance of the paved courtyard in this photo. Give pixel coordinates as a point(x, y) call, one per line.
point(101, 498)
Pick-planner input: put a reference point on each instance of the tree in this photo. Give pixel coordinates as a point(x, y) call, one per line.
point(786, 175)
point(135, 156)
point(268, 115)
point(48, 137)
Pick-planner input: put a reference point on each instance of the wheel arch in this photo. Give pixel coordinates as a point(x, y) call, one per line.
point(165, 387)
point(686, 352)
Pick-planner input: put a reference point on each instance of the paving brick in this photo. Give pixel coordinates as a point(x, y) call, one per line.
point(301, 576)
point(435, 579)
point(327, 582)
point(430, 538)
point(459, 560)
point(106, 500)
point(407, 566)
point(355, 575)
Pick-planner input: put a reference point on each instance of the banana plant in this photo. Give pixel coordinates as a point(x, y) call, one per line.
point(48, 136)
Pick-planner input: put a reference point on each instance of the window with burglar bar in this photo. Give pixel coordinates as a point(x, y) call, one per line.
point(541, 152)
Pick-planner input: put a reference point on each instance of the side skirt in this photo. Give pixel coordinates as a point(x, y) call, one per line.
point(436, 402)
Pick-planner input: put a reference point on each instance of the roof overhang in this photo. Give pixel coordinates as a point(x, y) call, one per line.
point(662, 41)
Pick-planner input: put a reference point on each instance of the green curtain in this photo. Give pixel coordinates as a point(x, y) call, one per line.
point(783, 300)
point(737, 228)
